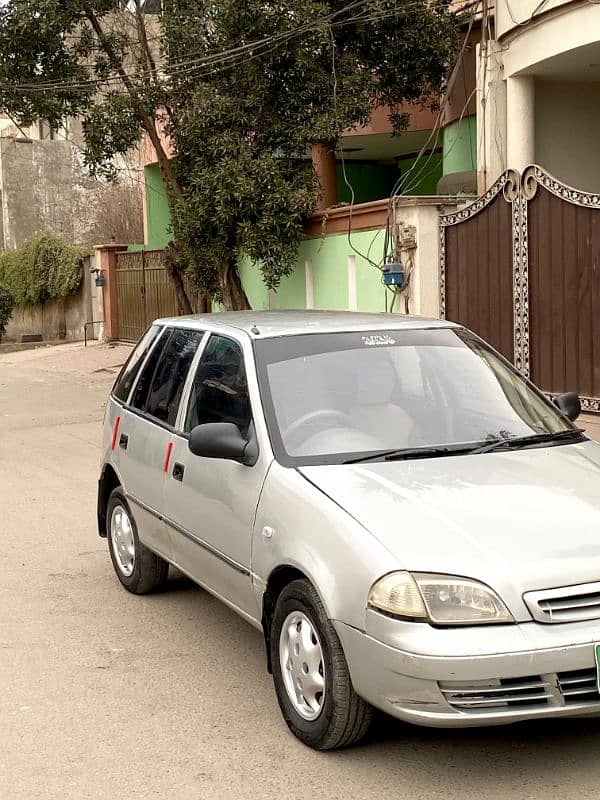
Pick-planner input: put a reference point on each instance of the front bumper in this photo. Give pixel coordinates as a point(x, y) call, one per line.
point(473, 676)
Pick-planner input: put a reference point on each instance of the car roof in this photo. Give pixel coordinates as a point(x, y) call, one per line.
point(268, 324)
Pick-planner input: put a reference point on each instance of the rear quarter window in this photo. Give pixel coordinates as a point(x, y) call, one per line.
point(132, 366)
point(170, 374)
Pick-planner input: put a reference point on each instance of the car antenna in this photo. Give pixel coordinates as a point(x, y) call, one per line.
point(255, 330)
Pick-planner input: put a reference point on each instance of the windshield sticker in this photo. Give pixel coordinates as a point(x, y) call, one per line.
point(374, 340)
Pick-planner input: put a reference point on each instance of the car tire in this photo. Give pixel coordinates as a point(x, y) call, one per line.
point(139, 569)
point(336, 717)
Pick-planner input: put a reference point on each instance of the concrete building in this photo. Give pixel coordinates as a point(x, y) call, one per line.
point(44, 185)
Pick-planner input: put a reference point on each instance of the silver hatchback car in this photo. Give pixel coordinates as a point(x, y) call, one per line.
point(411, 524)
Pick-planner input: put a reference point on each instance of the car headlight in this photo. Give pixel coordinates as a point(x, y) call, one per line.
point(439, 599)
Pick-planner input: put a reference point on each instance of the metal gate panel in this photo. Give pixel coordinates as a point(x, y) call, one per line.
point(477, 266)
point(528, 279)
point(130, 296)
point(564, 286)
point(144, 292)
point(160, 294)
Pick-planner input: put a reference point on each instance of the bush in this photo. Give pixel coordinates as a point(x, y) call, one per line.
point(46, 267)
point(6, 309)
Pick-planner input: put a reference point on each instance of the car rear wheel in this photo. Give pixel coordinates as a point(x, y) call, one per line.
point(311, 675)
point(139, 569)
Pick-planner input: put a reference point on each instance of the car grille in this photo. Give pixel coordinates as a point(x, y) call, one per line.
point(579, 686)
point(568, 604)
point(531, 691)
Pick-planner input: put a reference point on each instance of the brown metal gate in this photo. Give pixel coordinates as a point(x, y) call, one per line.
point(479, 287)
point(521, 267)
point(144, 292)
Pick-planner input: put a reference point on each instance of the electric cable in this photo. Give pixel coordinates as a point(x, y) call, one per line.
point(222, 58)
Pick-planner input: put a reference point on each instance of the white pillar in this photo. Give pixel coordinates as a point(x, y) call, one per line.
point(491, 115)
point(308, 280)
point(352, 293)
point(520, 120)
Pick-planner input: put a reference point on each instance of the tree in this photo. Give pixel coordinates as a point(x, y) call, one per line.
point(241, 87)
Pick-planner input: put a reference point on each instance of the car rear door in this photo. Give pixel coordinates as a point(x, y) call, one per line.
point(147, 430)
point(210, 503)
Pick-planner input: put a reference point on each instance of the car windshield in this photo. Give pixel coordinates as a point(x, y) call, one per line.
point(331, 398)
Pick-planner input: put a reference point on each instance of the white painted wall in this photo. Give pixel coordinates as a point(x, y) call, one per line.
point(539, 92)
point(424, 215)
point(567, 131)
point(511, 14)
point(568, 32)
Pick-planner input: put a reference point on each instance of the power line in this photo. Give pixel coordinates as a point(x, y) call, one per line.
point(398, 188)
point(473, 6)
point(222, 59)
point(221, 56)
point(436, 130)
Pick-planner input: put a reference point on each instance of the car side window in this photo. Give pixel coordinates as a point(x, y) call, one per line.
point(219, 392)
point(169, 376)
point(132, 366)
point(142, 387)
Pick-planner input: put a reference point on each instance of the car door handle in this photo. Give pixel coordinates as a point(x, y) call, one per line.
point(123, 441)
point(178, 470)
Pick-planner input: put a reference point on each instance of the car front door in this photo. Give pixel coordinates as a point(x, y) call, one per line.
point(210, 503)
point(148, 426)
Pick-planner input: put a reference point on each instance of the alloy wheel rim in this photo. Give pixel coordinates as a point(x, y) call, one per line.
point(302, 665)
point(123, 543)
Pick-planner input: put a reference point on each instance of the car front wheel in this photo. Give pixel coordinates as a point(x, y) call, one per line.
point(139, 569)
point(311, 675)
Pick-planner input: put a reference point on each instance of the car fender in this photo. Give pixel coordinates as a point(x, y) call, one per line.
point(299, 526)
point(111, 426)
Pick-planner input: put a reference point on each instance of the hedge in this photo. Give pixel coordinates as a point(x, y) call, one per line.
point(46, 267)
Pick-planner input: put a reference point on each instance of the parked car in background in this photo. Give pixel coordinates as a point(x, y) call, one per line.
point(411, 524)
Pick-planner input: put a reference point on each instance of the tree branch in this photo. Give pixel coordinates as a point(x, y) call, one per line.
point(143, 39)
point(148, 121)
point(145, 45)
point(146, 118)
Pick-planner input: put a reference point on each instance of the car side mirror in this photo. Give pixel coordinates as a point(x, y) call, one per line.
point(569, 403)
point(222, 440)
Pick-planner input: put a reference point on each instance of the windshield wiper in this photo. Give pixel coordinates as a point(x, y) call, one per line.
point(461, 449)
point(525, 441)
point(415, 452)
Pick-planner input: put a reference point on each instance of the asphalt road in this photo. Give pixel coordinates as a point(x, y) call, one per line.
point(107, 695)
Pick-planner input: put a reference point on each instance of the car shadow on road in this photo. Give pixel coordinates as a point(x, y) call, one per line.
point(178, 582)
point(540, 754)
point(525, 759)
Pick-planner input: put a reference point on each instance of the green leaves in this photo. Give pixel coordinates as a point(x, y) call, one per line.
point(247, 86)
point(291, 73)
point(6, 309)
point(46, 267)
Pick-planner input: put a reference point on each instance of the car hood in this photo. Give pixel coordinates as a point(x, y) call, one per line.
point(518, 520)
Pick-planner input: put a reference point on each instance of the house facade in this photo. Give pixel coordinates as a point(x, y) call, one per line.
point(520, 264)
point(538, 91)
point(338, 262)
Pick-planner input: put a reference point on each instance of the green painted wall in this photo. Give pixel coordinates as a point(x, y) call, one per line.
point(329, 255)
point(370, 181)
point(459, 144)
point(158, 215)
point(424, 178)
point(329, 258)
